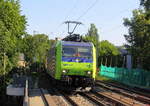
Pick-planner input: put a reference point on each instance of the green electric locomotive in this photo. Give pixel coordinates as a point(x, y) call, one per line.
point(72, 62)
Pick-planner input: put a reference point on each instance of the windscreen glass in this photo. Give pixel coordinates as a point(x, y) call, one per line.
point(77, 51)
point(69, 51)
point(84, 51)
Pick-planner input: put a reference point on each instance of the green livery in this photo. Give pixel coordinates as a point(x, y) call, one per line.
point(75, 68)
point(72, 59)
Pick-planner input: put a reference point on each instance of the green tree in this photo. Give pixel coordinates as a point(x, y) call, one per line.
point(108, 53)
point(93, 32)
point(108, 49)
point(104, 48)
point(139, 37)
point(35, 48)
point(92, 35)
point(145, 4)
point(12, 27)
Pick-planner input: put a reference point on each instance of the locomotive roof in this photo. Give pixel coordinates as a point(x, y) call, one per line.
point(70, 43)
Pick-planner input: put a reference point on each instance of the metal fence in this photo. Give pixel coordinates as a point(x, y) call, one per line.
point(133, 77)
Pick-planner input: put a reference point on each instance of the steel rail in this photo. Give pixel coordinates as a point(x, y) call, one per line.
point(65, 98)
point(125, 87)
point(94, 99)
point(44, 98)
point(124, 92)
point(119, 100)
point(26, 94)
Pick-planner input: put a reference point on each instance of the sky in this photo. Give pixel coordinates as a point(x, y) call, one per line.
point(47, 16)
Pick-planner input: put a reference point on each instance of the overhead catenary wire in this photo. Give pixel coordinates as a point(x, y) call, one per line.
point(66, 17)
point(83, 14)
point(88, 9)
point(118, 26)
point(71, 10)
point(111, 29)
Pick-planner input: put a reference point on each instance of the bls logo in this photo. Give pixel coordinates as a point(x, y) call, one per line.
point(88, 65)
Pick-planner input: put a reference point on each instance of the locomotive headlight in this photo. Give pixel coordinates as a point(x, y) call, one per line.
point(89, 72)
point(64, 71)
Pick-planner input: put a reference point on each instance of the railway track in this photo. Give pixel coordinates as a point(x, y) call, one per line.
point(61, 98)
point(94, 98)
point(100, 101)
point(104, 97)
point(47, 98)
point(126, 88)
point(42, 97)
point(118, 99)
point(125, 92)
point(66, 98)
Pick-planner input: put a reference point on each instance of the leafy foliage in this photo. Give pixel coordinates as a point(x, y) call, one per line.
point(108, 49)
point(139, 35)
point(93, 32)
point(104, 48)
point(146, 4)
point(35, 48)
point(92, 35)
point(12, 27)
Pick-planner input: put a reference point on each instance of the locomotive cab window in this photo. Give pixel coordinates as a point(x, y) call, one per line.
point(69, 51)
point(85, 52)
point(75, 51)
